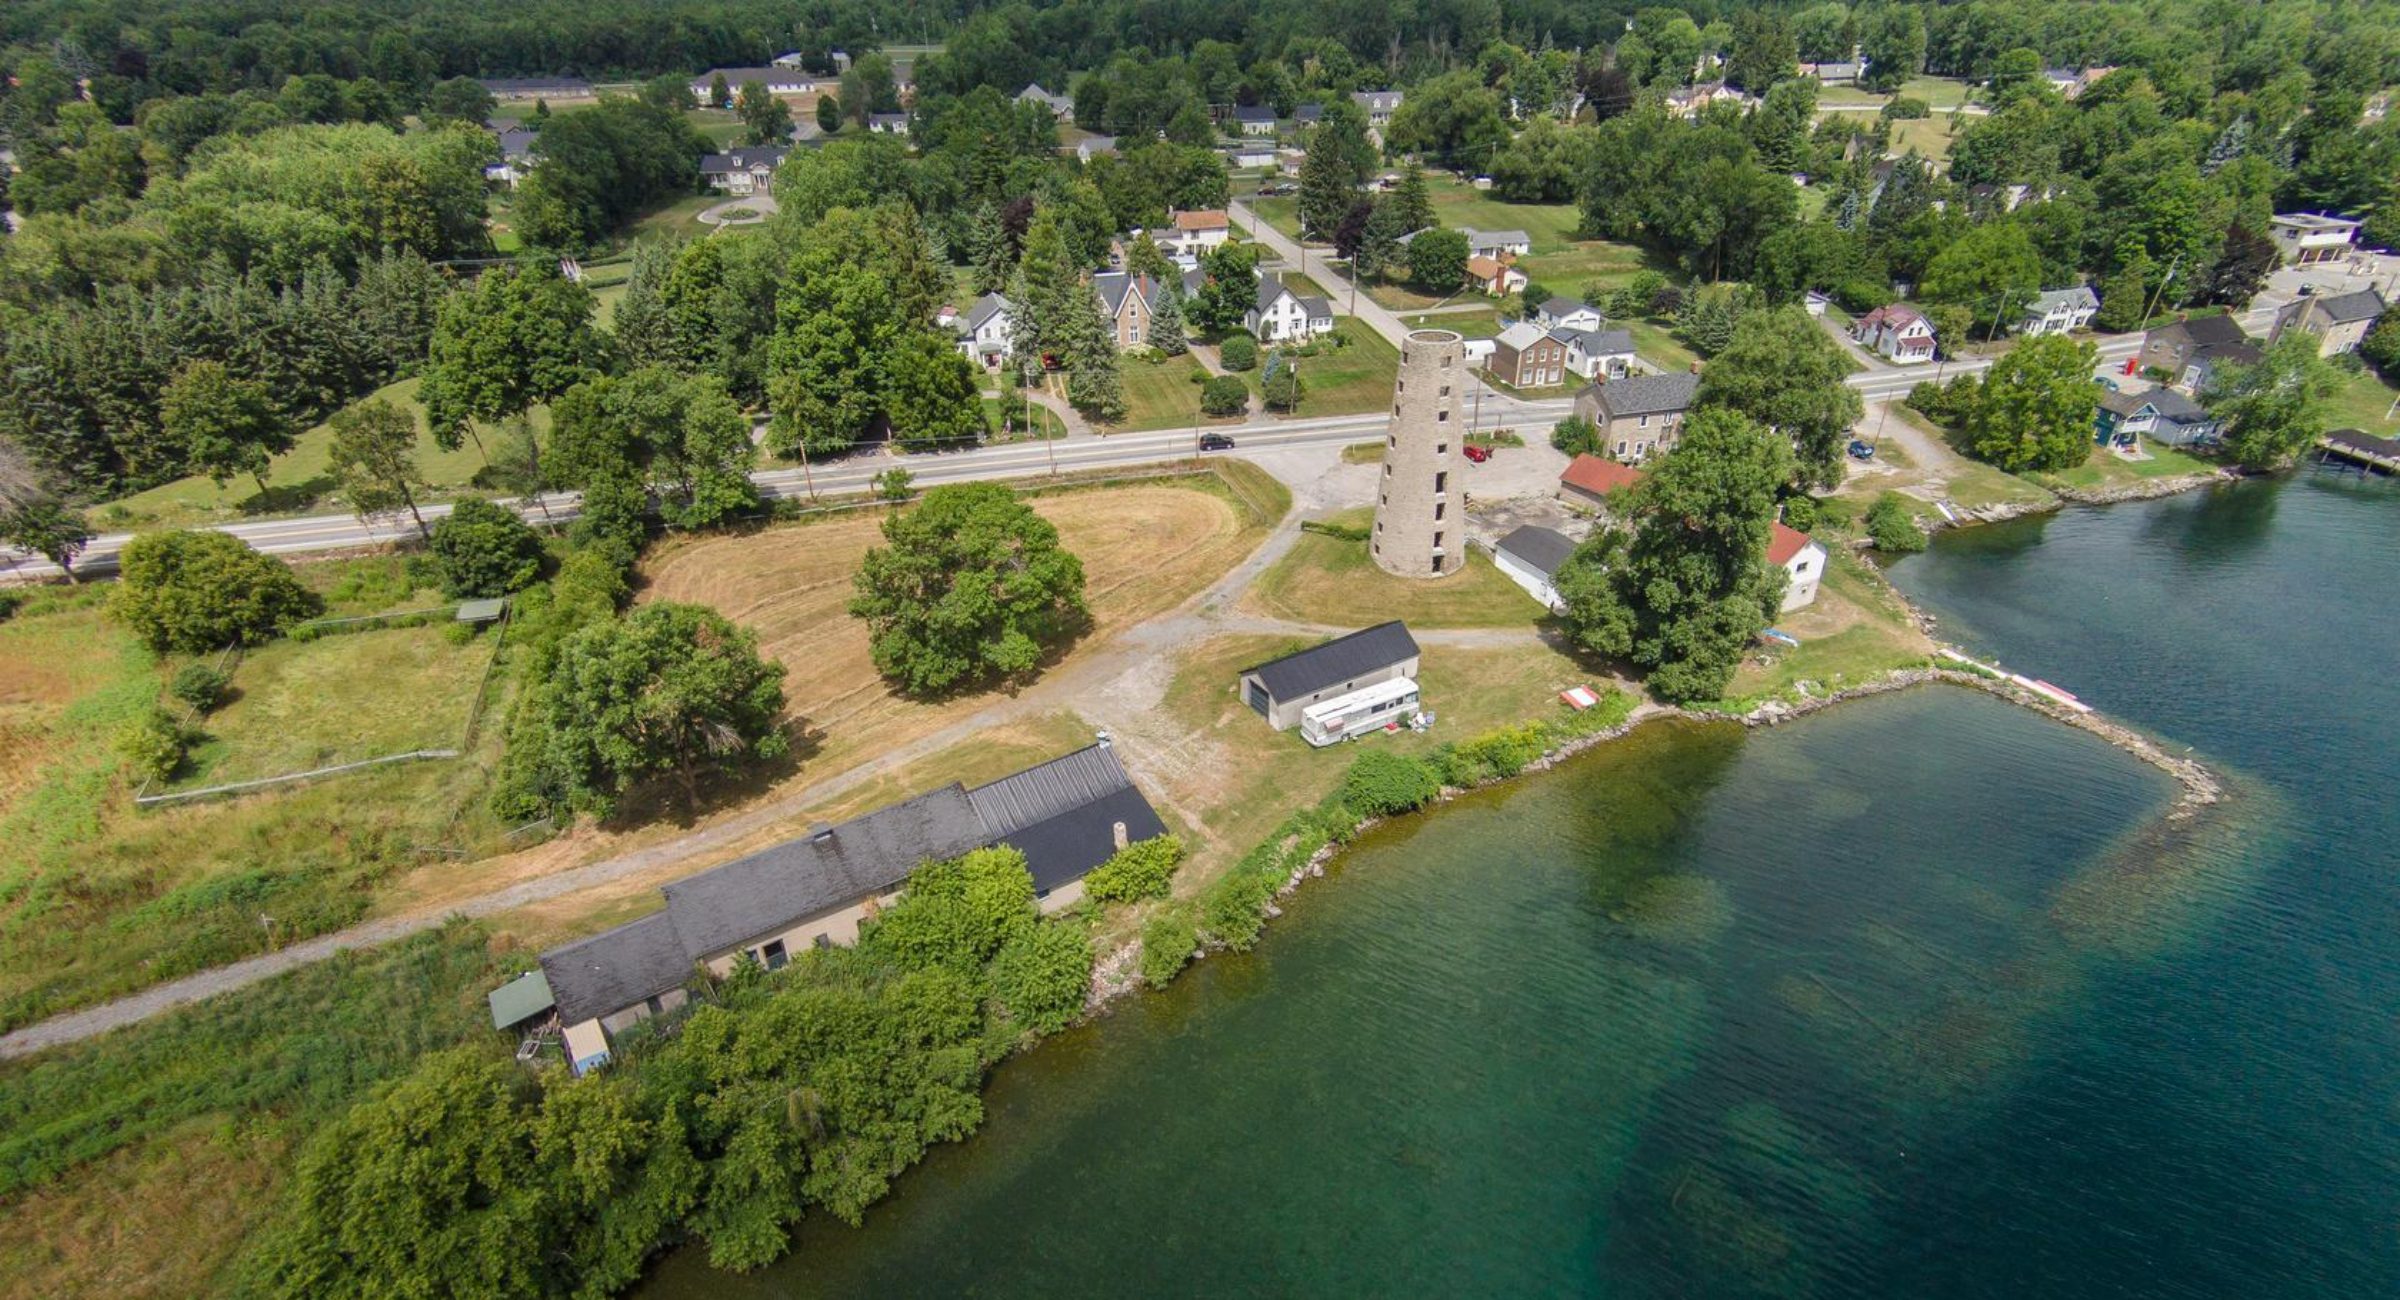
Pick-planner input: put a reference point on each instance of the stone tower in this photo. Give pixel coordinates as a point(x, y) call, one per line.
point(1420, 523)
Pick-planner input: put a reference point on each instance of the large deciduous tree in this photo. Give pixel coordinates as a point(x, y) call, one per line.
point(1783, 371)
point(521, 336)
point(668, 691)
point(374, 459)
point(198, 592)
point(47, 527)
point(2275, 407)
point(972, 586)
point(1686, 593)
point(224, 424)
point(765, 119)
point(2035, 408)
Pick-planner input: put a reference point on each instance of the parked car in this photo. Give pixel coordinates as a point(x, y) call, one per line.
point(1215, 442)
point(1478, 455)
point(1860, 449)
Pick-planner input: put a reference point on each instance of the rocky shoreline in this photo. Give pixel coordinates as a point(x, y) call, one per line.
point(2144, 491)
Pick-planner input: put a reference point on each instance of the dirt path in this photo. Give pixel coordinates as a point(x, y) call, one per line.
point(1084, 683)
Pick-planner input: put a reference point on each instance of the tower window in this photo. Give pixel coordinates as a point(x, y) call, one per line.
point(1441, 480)
point(1438, 508)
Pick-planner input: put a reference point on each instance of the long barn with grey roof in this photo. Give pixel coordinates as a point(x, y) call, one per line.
point(1282, 689)
point(1066, 816)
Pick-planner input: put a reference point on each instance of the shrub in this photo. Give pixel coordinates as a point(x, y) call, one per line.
point(1142, 870)
point(957, 913)
point(1234, 909)
point(483, 550)
point(200, 591)
point(1576, 436)
point(895, 484)
point(1801, 513)
point(199, 686)
point(152, 746)
point(1225, 395)
point(1041, 975)
point(1382, 783)
point(1892, 527)
point(1168, 940)
point(1281, 389)
point(1239, 352)
point(1342, 532)
point(9, 601)
point(1906, 108)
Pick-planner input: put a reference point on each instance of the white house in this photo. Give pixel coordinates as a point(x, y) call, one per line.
point(1192, 233)
point(2060, 311)
point(1899, 331)
point(1251, 157)
point(888, 123)
point(1060, 106)
point(2307, 238)
point(742, 171)
point(789, 59)
point(1380, 105)
point(1093, 146)
point(781, 79)
point(516, 156)
point(1801, 556)
point(1497, 244)
point(986, 332)
point(1531, 556)
point(1597, 353)
point(1568, 314)
point(1254, 120)
point(1282, 316)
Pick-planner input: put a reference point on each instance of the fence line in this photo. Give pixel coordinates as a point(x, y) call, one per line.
point(237, 787)
point(373, 618)
point(466, 740)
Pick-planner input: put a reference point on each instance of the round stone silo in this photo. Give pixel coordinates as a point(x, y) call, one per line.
point(1420, 523)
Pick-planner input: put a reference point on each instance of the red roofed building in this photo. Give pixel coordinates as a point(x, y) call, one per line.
point(1589, 480)
point(1197, 232)
point(1800, 556)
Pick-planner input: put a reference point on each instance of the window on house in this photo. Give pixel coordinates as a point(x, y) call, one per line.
point(1441, 449)
point(1645, 421)
point(823, 941)
point(1445, 390)
point(774, 955)
point(654, 1006)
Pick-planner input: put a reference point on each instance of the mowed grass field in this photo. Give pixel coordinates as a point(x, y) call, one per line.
point(1347, 380)
point(1333, 582)
point(98, 899)
point(1144, 549)
point(1158, 394)
point(300, 479)
point(296, 705)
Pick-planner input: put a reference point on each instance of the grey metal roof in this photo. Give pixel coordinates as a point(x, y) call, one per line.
point(1597, 343)
point(617, 968)
point(2079, 296)
point(1538, 548)
point(742, 160)
point(1649, 394)
point(1341, 659)
point(734, 77)
point(1062, 815)
point(1253, 113)
point(2206, 331)
point(770, 889)
point(1563, 307)
point(1048, 789)
point(1495, 238)
point(519, 1000)
point(2357, 305)
point(986, 307)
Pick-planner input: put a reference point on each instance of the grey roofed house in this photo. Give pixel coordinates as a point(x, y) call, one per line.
point(2079, 297)
point(768, 890)
point(1114, 285)
point(2207, 331)
point(1596, 343)
point(2357, 305)
point(1541, 549)
point(1094, 146)
point(1057, 103)
point(1377, 101)
point(981, 313)
point(2166, 401)
point(534, 87)
point(1308, 114)
point(1558, 307)
point(1338, 660)
point(1253, 113)
point(1063, 815)
point(516, 142)
point(1649, 394)
point(616, 969)
point(769, 156)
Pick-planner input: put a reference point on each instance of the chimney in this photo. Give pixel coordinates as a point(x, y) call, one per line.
point(1105, 741)
point(1117, 834)
point(819, 833)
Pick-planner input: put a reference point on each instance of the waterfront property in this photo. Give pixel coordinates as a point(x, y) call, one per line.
point(2161, 414)
point(1282, 690)
point(1066, 816)
point(1531, 555)
point(1802, 558)
point(1422, 453)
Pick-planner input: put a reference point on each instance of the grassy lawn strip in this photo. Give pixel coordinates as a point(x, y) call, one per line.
point(299, 480)
point(2365, 404)
point(1856, 630)
point(297, 705)
point(1161, 394)
point(1330, 581)
point(232, 1085)
point(1480, 324)
point(1346, 380)
point(2104, 469)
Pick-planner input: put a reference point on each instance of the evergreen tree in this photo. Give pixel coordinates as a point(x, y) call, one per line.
point(1089, 352)
point(644, 329)
point(1412, 201)
point(1327, 187)
point(1166, 321)
point(2232, 143)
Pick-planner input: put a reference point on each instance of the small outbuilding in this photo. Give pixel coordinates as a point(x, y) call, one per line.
point(1531, 556)
point(521, 1001)
point(1282, 689)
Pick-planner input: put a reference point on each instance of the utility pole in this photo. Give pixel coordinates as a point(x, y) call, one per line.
point(806, 475)
point(2172, 268)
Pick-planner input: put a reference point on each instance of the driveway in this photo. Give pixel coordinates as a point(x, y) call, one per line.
point(748, 210)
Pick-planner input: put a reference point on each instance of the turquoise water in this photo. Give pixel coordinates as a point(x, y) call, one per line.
point(1915, 997)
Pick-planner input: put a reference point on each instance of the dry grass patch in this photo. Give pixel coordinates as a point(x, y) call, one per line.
point(297, 705)
point(1145, 549)
point(161, 1219)
point(1858, 629)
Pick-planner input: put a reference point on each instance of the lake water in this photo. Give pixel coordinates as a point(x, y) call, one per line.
point(1916, 997)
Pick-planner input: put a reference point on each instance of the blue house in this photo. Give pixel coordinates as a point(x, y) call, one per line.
point(2161, 415)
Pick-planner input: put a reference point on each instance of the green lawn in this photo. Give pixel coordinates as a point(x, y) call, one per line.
point(1561, 259)
point(2104, 469)
point(1328, 580)
point(1160, 394)
point(1658, 346)
point(678, 216)
point(2365, 404)
point(721, 126)
point(1283, 214)
point(337, 699)
point(1481, 324)
point(1346, 380)
point(297, 480)
point(1856, 630)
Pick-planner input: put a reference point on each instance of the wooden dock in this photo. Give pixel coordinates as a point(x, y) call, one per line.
point(2364, 450)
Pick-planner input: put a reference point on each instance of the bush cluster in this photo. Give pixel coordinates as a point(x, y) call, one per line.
point(202, 686)
point(1224, 395)
point(152, 746)
point(1238, 352)
point(1168, 940)
point(1381, 783)
point(1893, 527)
point(1339, 532)
point(1140, 870)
